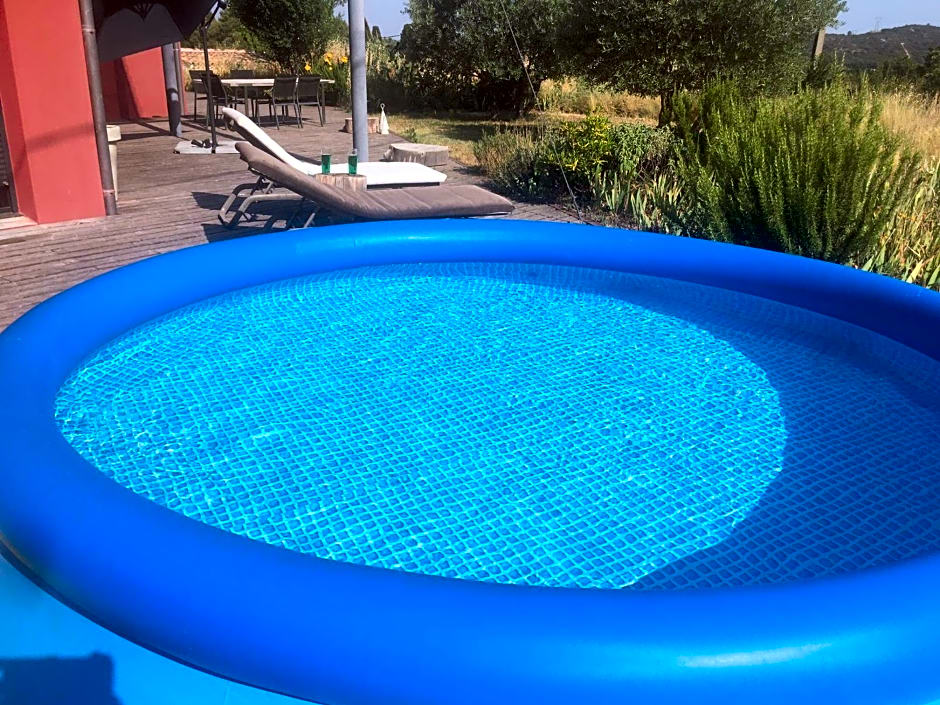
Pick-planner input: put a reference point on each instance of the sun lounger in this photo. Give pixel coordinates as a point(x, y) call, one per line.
point(382, 204)
point(376, 173)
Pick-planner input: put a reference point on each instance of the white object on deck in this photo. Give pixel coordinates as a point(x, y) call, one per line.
point(428, 154)
point(114, 136)
point(376, 173)
point(391, 173)
point(383, 122)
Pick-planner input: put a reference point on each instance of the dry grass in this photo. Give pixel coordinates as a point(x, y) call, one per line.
point(458, 131)
point(222, 61)
point(573, 96)
point(916, 116)
point(910, 245)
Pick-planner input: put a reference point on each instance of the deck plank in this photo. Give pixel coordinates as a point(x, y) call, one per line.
point(166, 202)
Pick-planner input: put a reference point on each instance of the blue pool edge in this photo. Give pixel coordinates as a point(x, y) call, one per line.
point(351, 634)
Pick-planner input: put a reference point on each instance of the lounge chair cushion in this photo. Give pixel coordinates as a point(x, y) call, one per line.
point(248, 129)
point(384, 204)
point(376, 173)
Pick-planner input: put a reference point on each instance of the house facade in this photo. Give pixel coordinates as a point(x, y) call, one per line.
point(48, 160)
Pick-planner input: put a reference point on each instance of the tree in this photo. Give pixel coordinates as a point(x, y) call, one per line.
point(658, 48)
point(463, 52)
point(286, 32)
point(225, 32)
point(931, 71)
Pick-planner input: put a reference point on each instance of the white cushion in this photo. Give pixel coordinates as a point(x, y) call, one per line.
point(252, 128)
point(376, 173)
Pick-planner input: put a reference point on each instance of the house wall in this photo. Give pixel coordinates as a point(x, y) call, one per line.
point(47, 111)
point(133, 86)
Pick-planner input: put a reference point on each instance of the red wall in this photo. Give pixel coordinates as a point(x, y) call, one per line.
point(133, 86)
point(47, 110)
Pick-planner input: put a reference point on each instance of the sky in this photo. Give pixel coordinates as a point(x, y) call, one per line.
point(868, 15)
point(387, 14)
point(861, 16)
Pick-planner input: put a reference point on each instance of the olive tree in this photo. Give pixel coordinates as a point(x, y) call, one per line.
point(462, 51)
point(658, 48)
point(286, 32)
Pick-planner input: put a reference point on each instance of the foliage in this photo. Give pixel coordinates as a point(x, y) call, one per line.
point(286, 32)
point(515, 161)
point(225, 32)
point(815, 173)
point(909, 249)
point(333, 65)
point(594, 149)
point(461, 53)
point(824, 71)
point(601, 160)
point(651, 201)
point(657, 48)
point(904, 73)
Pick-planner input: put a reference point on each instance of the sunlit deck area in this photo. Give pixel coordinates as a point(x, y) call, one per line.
point(168, 202)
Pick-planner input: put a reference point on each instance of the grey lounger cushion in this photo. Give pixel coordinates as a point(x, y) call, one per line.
point(384, 204)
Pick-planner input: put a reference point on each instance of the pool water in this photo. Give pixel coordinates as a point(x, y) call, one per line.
point(525, 424)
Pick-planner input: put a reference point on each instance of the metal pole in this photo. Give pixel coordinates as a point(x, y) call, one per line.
point(210, 104)
point(357, 68)
point(178, 65)
point(173, 105)
point(93, 68)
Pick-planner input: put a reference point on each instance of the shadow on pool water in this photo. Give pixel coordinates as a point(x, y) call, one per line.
point(860, 481)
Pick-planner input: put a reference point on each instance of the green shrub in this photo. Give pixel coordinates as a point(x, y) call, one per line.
point(517, 164)
point(600, 160)
point(815, 173)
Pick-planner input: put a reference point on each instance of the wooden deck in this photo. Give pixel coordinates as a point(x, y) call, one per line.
point(166, 202)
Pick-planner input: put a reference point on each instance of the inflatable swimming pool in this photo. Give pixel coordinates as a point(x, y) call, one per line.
point(489, 461)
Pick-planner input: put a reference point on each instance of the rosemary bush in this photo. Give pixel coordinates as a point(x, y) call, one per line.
point(815, 173)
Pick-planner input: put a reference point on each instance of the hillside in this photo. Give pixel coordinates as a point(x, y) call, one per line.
point(872, 48)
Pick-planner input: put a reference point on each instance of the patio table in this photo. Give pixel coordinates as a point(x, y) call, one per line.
point(245, 83)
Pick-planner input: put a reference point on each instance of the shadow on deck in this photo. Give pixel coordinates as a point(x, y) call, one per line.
point(167, 202)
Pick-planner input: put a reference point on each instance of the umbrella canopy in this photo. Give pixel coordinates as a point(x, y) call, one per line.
point(128, 26)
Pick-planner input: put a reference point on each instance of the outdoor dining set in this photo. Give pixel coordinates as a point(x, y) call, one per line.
point(279, 94)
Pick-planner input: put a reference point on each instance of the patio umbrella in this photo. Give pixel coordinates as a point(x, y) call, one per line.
point(129, 26)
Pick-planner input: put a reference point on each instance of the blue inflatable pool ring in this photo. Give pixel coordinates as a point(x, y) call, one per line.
point(489, 462)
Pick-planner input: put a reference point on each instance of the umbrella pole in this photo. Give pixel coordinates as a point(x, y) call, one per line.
point(171, 83)
point(98, 119)
point(357, 71)
point(210, 103)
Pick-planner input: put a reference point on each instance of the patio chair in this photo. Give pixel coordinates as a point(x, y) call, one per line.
point(308, 93)
point(463, 201)
point(198, 86)
point(282, 95)
point(220, 96)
